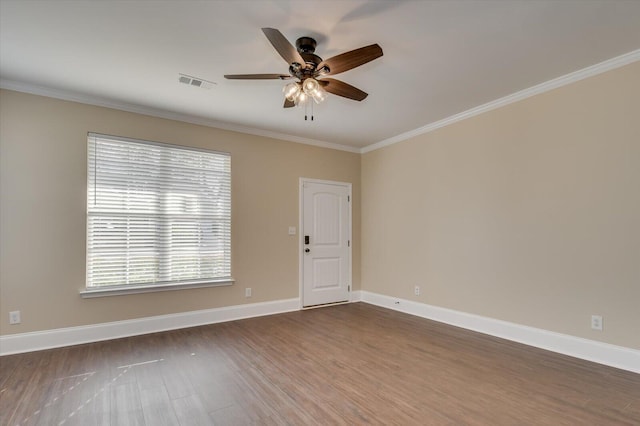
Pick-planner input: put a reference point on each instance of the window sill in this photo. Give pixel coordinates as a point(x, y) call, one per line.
point(150, 288)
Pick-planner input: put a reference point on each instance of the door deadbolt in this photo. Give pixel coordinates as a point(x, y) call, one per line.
point(307, 250)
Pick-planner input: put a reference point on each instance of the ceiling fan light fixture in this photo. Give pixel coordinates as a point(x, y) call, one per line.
point(319, 95)
point(300, 92)
point(312, 89)
point(310, 85)
point(291, 91)
point(301, 99)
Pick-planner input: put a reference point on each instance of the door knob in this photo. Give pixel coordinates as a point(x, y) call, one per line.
point(307, 250)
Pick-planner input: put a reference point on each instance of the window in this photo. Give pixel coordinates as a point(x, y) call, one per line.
point(158, 216)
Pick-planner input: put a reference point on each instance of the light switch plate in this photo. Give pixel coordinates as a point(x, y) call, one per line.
point(292, 230)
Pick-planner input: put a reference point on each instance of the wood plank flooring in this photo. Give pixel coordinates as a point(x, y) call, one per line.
point(342, 365)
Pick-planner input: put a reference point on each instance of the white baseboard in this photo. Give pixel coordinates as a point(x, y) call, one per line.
point(39, 340)
point(602, 353)
point(590, 350)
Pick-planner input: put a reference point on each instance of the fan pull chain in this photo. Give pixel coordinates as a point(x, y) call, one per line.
point(306, 110)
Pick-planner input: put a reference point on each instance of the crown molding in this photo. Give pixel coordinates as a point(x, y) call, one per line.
point(154, 112)
point(608, 65)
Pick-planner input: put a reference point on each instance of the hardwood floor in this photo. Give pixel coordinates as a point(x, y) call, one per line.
point(344, 365)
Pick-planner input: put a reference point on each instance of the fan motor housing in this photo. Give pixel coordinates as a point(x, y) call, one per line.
point(311, 58)
point(306, 45)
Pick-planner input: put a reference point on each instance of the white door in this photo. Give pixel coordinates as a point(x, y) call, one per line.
point(326, 242)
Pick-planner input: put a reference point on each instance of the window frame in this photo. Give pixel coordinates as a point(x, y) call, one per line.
point(114, 290)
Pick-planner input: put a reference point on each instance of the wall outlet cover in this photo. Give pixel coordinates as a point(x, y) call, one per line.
point(596, 322)
point(14, 317)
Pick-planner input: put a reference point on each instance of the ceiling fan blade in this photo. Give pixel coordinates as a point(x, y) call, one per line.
point(348, 60)
point(282, 45)
point(343, 89)
point(288, 103)
point(256, 76)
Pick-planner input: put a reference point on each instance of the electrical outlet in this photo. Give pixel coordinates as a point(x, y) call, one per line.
point(14, 317)
point(596, 322)
point(247, 292)
point(416, 290)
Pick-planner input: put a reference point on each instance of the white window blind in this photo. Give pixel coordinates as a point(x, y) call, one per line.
point(156, 214)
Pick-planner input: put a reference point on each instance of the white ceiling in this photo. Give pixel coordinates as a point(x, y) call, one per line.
point(440, 57)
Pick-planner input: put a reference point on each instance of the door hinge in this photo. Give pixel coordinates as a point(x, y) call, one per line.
point(348, 288)
point(348, 198)
point(348, 243)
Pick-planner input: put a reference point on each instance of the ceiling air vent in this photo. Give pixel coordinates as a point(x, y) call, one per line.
point(195, 81)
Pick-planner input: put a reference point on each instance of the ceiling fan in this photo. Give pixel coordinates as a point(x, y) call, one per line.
point(310, 69)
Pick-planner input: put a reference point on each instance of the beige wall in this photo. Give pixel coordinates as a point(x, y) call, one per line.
point(42, 212)
point(529, 213)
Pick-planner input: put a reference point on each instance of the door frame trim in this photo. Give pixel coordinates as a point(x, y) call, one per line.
point(301, 182)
